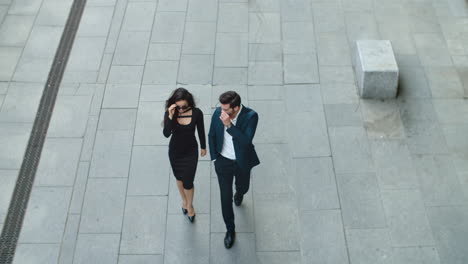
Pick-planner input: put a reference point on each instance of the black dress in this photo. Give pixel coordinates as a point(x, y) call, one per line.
point(183, 147)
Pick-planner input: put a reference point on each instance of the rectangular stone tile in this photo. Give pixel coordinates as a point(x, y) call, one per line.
point(202, 10)
point(36, 253)
point(425, 137)
point(451, 111)
point(80, 77)
point(112, 152)
point(243, 251)
point(217, 90)
point(264, 28)
point(339, 93)
point(97, 248)
point(163, 51)
point(21, 102)
point(196, 69)
point(406, 218)
point(316, 185)
point(79, 188)
point(149, 171)
point(32, 69)
point(233, 17)
point(3, 11)
point(13, 141)
point(307, 134)
point(268, 236)
point(438, 178)
point(360, 201)
point(455, 136)
point(103, 207)
point(264, 73)
point(298, 38)
point(141, 259)
point(14, 30)
point(232, 76)
point(175, 5)
point(186, 242)
point(266, 92)
point(265, 52)
point(343, 115)
point(144, 225)
point(7, 185)
point(278, 257)
point(231, 50)
point(328, 17)
point(322, 237)
point(53, 13)
point(67, 248)
point(416, 255)
point(199, 38)
point(394, 166)
point(125, 74)
point(161, 72)
point(369, 246)
point(89, 137)
point(333, 49)
point(4, 87)
point(276, 177)
point(296, 10)
point(382, 119)
point(444, 82)
point(244, 214)
point(43, 42)
point(45, 218)
point(116, 24)
point(117, 119)
point(415, 109)
point(413, 83)
point(432, 49)
point(300, 69)
point(86, 54)
point(397, 31)
point(70, 116)
point(264, 6)
point(131, 48)
point(9, 57)
point(271, 113)
point(336, 74)
point(149, 124)
point(168, 27)
point(121, 96)
point(59, 162)
point(449, 226)
point(156, 93)
point(139, 16)
point(360, 24)
point(346, 140)
point(96, 21)
point(24, 7)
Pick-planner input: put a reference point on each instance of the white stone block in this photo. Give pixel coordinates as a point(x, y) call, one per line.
point(376, 69)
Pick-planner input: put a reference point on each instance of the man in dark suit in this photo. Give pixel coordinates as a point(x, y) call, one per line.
point(230, 138)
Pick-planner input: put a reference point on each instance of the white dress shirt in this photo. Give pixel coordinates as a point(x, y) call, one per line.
point(228, 146)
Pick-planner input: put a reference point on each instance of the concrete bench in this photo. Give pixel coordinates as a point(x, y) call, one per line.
point(376, 69)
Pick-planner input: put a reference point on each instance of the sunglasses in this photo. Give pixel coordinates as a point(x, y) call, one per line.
point(182, 108)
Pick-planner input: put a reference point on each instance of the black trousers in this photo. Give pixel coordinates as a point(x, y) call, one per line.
point(227, 170)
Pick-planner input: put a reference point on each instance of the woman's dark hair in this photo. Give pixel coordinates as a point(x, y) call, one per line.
point(231, 98)
point(178, 95)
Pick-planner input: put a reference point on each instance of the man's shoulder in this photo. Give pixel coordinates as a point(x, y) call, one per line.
point(249, 112)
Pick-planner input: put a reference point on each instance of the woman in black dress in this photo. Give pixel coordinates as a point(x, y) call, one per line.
point(180, 120)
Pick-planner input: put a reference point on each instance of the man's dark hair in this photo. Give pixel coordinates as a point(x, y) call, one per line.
point(231, 98)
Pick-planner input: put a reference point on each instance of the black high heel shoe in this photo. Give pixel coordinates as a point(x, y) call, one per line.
point(191, 218)
point(184, 210)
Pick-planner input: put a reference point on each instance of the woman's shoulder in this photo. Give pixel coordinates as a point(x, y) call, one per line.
point(197, 111)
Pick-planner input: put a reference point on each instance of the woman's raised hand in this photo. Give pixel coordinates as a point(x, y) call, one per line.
point(171, 111)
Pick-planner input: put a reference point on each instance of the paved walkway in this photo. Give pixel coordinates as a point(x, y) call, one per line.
point(342, 180)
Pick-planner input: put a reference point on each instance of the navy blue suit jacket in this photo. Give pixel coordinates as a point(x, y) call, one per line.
point(242, 135)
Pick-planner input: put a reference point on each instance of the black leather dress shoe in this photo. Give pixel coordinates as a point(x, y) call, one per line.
point(238, 199)
point(229, 239)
